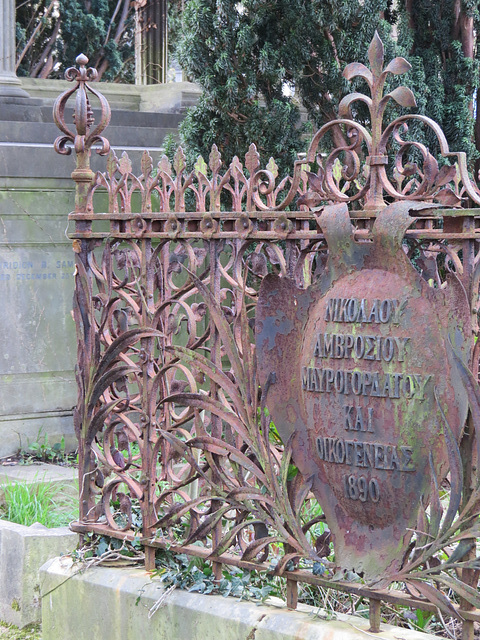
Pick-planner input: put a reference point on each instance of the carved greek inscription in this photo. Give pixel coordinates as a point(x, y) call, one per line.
point(365, 383)
point(367, 455)
point(358, 347)
point(357, 419)
point(361, 311)
point(360, 385)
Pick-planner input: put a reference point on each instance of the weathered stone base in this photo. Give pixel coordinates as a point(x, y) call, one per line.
point(21, 430)
point(23, 550)
point(114, 604)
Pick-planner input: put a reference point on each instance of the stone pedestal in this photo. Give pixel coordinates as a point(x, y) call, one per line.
point(23, 550)
point(10, 85)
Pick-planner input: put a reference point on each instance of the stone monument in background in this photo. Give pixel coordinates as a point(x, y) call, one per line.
point(37, 336)
point(37, 339)
point(10, 85)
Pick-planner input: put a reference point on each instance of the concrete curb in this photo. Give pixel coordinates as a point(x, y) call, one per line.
point(114, 604)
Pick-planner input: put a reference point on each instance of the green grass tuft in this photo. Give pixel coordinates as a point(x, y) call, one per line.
point(45, 502)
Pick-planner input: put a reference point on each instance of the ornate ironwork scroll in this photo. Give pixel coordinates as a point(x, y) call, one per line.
point(176, 444)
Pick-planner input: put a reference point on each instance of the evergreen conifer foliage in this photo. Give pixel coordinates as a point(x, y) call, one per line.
point(51, 33)
point(36, 36)
point(440, 42)
point(244, 55)
point(228, 49)
point(107, 31)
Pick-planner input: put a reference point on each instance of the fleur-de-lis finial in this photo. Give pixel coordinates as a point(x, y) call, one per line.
point(375, 78)
point(346, 175)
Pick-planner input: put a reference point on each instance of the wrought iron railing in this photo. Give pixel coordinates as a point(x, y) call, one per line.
point(176, 444)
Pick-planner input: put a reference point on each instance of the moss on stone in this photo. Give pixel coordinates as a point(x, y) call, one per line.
point(11, 632)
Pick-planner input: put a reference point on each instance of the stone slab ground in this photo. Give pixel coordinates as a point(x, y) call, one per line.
point(116, 604)
point(39, 472)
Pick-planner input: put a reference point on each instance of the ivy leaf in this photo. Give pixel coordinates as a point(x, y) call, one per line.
point(102, 548)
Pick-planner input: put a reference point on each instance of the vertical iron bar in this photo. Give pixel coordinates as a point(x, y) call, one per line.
point(292, 594)
point(290, 257)
point(217, 361)
point(149, 558)
point(374, 609)
point(147, 345)
point(469, 576)
point(165, 293)
point(83, 177)
point(83, 321)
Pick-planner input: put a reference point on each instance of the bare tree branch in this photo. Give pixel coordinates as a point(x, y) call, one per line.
point(40, 64)
point(48, 66)
point(122, 21)
point(102, 67)
point(112, 19)
point(36, 31)
point(101, 62)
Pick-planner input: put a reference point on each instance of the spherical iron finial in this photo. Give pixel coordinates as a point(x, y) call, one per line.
point(85, 134)
point(81, 60)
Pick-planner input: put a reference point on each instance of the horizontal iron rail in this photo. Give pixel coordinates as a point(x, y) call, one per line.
point(263, 225)
point(392, 596)
point(418, 234)
point(426, 214)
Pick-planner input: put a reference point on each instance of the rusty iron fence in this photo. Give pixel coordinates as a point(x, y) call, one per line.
point(177, 443)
